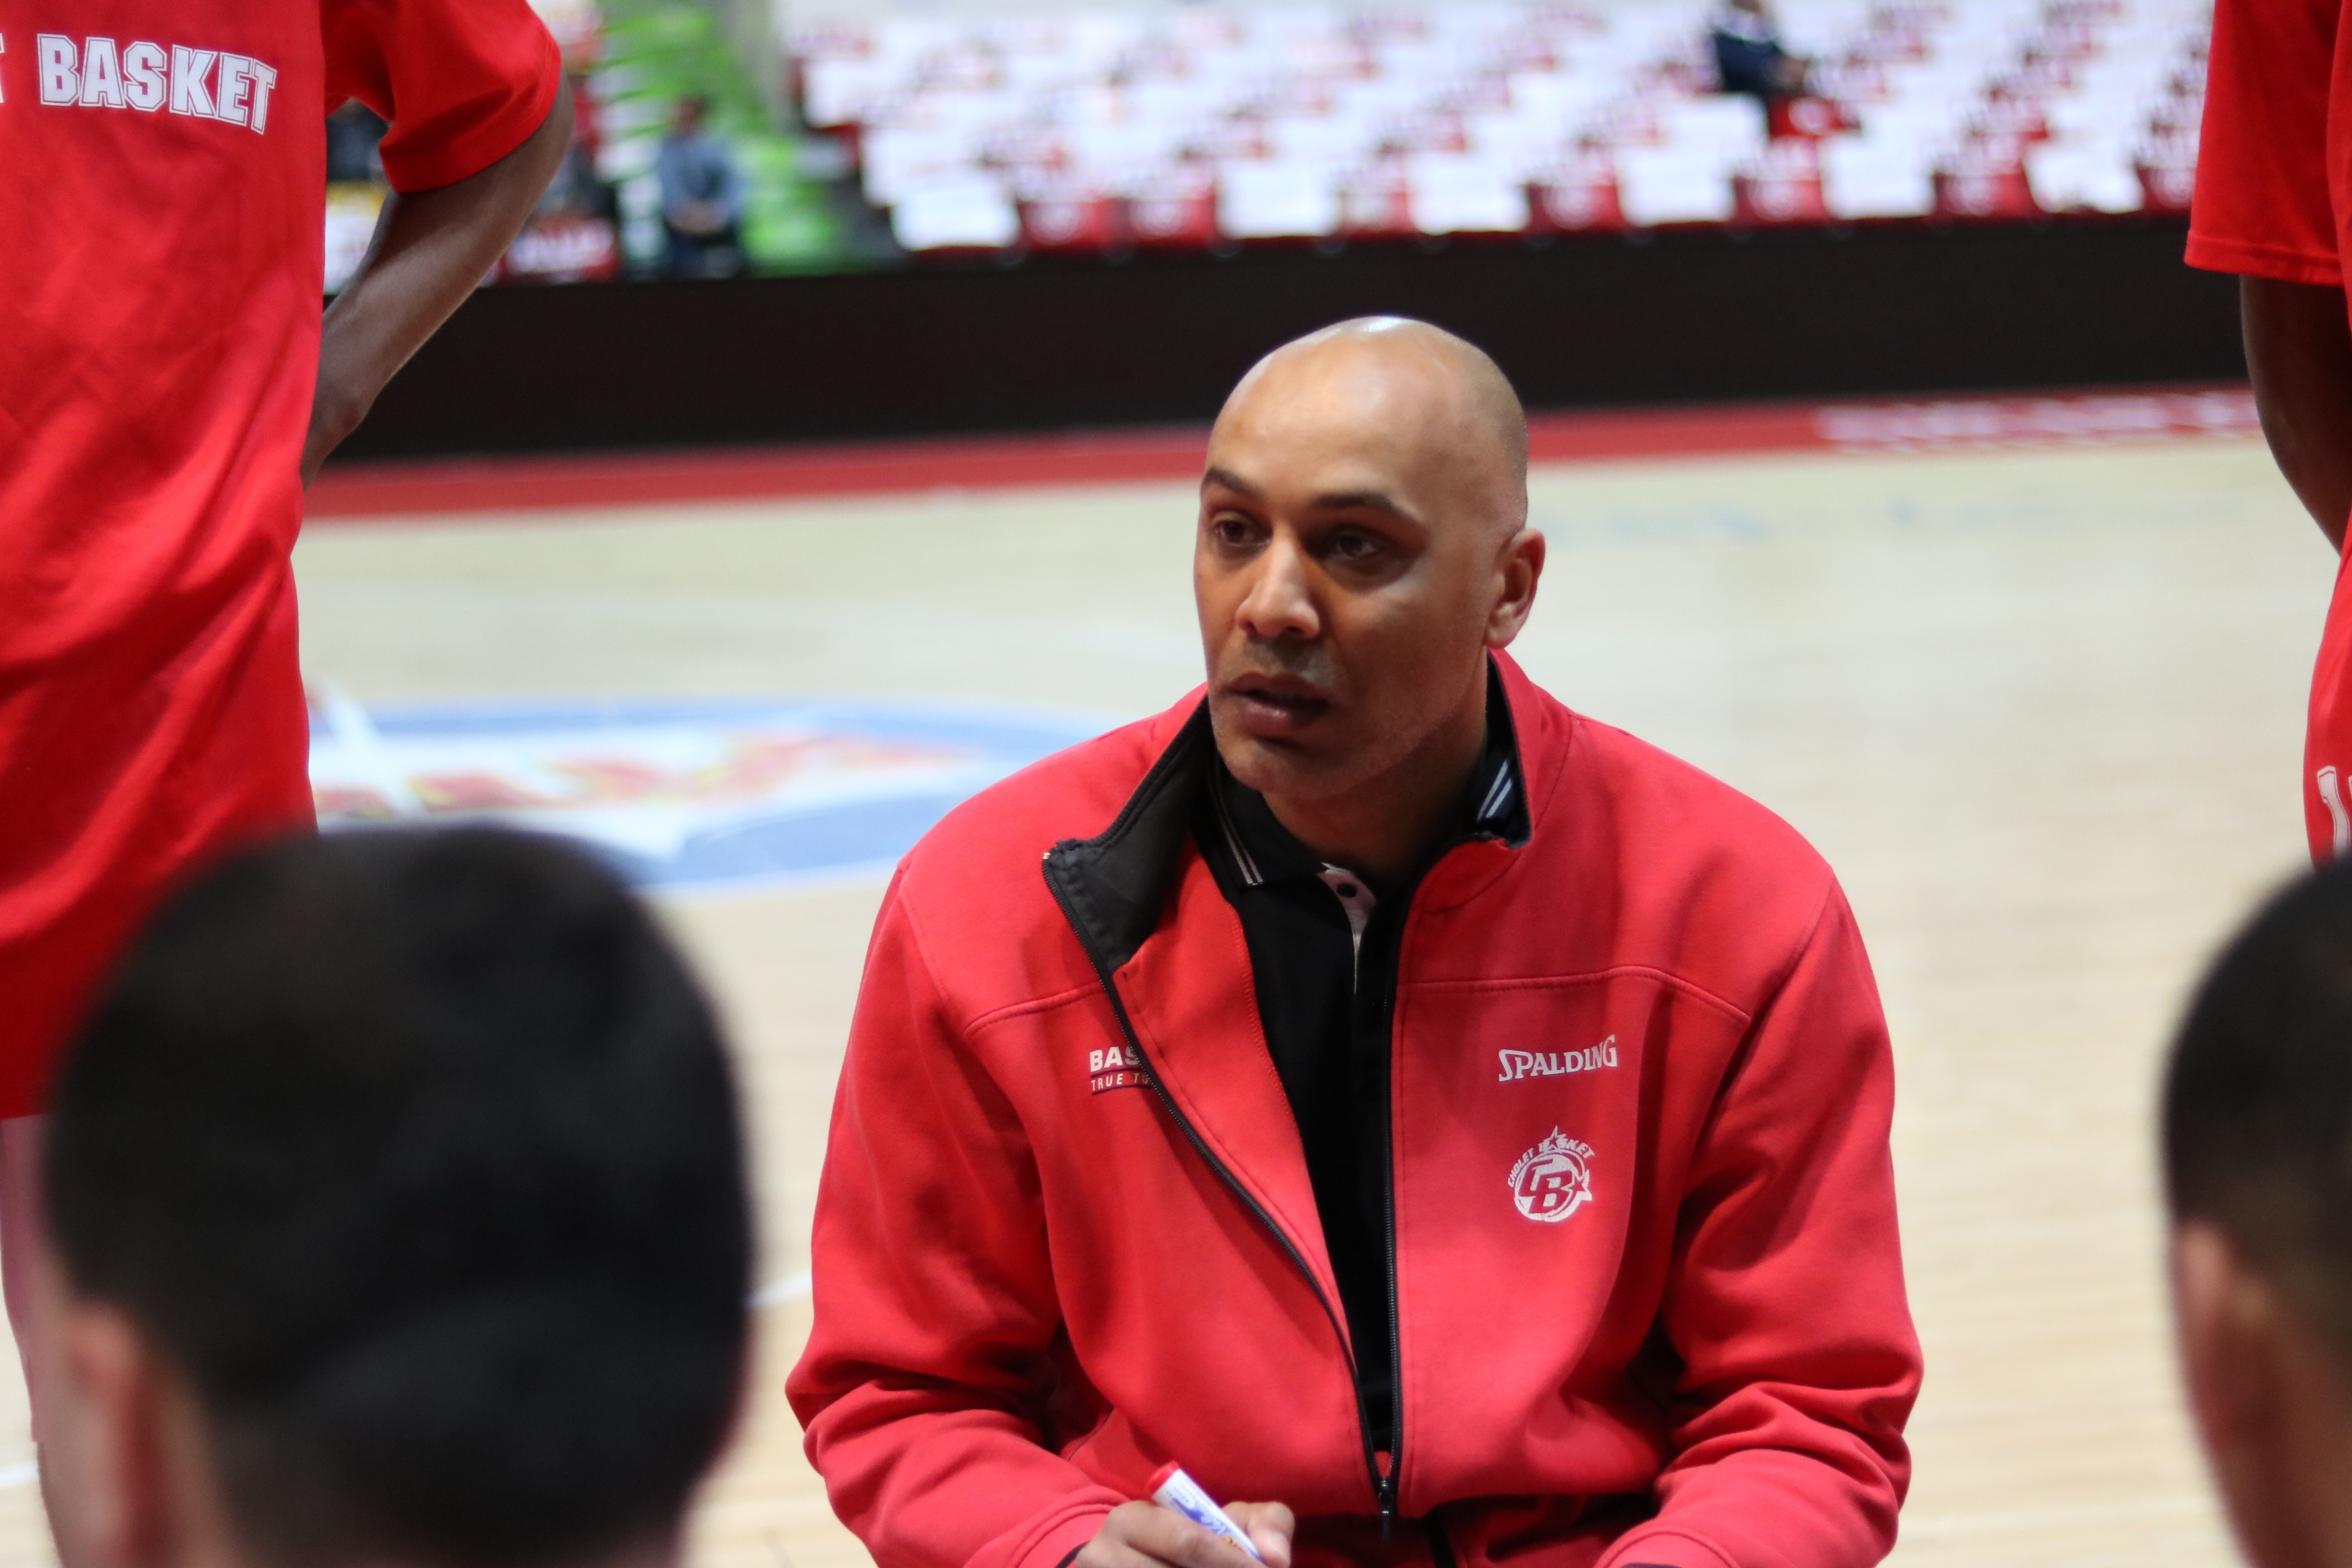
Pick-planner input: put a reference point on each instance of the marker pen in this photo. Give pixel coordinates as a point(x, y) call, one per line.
point(1171, 1488)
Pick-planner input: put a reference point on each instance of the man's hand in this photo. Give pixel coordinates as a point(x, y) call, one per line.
point(431, 247)
point(701, 219)
point(1144, 1534)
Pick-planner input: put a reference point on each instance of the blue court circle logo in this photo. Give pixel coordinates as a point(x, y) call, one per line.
point(679, 794)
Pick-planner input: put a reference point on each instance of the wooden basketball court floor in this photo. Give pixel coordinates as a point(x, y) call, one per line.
point(2040, 708)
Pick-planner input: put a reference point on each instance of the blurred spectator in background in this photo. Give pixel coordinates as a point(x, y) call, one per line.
point(1748, 54)
point(355, 133)
point(701, 197)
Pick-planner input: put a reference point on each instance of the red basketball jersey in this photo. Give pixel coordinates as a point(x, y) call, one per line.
point(162, 193)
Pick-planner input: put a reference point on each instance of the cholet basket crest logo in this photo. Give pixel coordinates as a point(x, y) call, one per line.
point(1553, 1180)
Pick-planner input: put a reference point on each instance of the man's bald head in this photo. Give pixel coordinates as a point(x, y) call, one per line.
point(1409, 382)
point(1363, 544)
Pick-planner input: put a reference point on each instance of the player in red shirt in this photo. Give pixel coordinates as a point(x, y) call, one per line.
point(2274, 199)
point(166, 389)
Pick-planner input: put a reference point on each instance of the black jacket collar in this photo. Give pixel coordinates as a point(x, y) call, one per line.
point(1113, 885)
point(1493, 805)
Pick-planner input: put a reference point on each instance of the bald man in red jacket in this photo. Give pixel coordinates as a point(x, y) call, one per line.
point(1438, 1118)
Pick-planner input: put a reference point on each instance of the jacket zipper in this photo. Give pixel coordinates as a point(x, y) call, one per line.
point(1394, 1478)
point(1390, 1483)
point(1383, 1485)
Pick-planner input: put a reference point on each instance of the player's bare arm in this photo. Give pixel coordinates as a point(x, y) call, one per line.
point(1147, 1535)
point(431, 247)
point(2299, 353)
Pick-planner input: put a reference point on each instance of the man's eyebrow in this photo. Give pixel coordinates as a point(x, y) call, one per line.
point(1364, 501)
point(1331, 500)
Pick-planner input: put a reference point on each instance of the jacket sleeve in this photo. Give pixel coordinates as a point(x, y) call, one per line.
point(922, 1386)
point(1785, 1301)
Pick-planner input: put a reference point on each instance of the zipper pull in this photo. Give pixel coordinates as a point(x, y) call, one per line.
point(1388, 1500)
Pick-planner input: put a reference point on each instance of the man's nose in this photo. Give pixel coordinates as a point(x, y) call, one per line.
point(1281, 599)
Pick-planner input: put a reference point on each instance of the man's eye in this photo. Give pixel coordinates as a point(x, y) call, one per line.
point(1353, 546)
point(1234, 530)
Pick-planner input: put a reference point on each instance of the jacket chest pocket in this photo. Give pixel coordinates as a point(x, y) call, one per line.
point(1548, 1106)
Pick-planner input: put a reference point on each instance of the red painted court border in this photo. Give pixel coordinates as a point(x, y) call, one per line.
point(441, 486)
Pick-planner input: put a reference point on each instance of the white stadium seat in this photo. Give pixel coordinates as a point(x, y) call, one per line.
point(1455, 192)
point(1730, 127)
point(2098, 176)
point(958, 105)
point(966, 212)
point(1277, 200)
point(1867, 177)
point(898, 159)
point(1674, 185)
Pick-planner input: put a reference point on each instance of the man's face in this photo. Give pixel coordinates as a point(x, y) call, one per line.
point(1353, 523)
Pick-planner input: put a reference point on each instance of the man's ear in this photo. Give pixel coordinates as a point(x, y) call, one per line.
point(2227, 1322)
point(2246, 1367)
point(1521, 566)
point(105, 1468)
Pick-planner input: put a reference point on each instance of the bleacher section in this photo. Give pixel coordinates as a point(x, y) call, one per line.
point(1205, 127)
point(630, 62)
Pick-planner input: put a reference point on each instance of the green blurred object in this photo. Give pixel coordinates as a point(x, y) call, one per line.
point(659, 51)
point(789, 226)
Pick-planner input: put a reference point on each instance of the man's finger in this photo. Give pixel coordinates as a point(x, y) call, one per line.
point(1115, 1546)
point(1107, 1551)
point(1270, 1525)
point(1163, 1533)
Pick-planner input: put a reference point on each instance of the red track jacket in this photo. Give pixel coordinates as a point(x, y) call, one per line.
point(1647, 1288)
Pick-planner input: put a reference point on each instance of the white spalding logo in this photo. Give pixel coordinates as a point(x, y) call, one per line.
point(1553, 1180)
point(1552, 1064)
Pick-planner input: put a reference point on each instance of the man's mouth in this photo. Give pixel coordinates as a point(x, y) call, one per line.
point(1273, 706)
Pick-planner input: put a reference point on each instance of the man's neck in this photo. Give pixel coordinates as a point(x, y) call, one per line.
point(1387, 828)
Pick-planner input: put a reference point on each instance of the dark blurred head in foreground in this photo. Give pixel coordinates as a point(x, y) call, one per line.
point(2258, 1165)
point(398, 1189)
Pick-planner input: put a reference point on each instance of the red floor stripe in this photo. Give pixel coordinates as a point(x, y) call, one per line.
point(508, 484)
point(441, 485)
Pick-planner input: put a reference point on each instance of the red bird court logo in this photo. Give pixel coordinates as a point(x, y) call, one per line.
point(1552, 1180)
